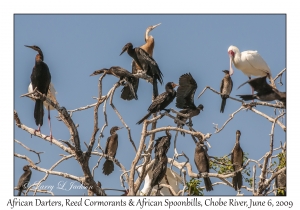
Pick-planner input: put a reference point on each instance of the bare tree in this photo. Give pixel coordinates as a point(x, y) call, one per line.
point(140, 171)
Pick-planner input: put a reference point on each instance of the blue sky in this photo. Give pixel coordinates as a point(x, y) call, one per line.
point(76, 45)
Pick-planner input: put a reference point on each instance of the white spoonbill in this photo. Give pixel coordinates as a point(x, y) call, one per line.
point(173, 178)
point(249, 62)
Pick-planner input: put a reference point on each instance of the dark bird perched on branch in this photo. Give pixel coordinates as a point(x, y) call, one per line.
point(159, 171)
point(265, 92)
point(185, 99)
point(161, 101)
point(24, 179)
point(148, 47)
point(237, 159)
point(146, 62)
point(225, 89)
point(40, 79)
point(161, 147)
point(202, 164)
point(111, 150)
point(122, 74)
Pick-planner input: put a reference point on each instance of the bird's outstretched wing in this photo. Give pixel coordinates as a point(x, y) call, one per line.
point(258, 84)
point(186, 91)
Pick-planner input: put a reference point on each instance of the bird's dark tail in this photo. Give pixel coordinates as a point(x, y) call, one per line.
point(108, 167)
point(20, 191)
point(144, 118)
point(38, 112)
point(223, 105)
point(237, 181)
point(127, 92)
point(247, 97)
point(208, 185)
point(155, 90)
point(98, 72)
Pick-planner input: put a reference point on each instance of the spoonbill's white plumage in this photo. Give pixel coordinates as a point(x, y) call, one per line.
point(249, 62)
point(51, 94)
point(173, 178)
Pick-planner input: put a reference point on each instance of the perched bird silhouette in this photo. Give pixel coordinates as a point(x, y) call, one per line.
point(265, 92)
point(161, 101)
point(185, 99)
point(111, 150)
point(146, 62)
point(250, 63)
point(159, 171)
point(161, 147)
point(202, 164)
point(122, 74)
point(237, 159)
point(148, 47)
point(40, 79)
point(24, 179)
point(225, 89)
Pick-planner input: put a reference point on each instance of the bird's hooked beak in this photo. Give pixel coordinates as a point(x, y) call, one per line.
point(124, 49)
point(174, 85)
point(120, 128)
point(231, 54)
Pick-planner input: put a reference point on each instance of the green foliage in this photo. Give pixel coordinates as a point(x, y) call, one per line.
point(223, 165)
point(282, 160)
point(193, 187)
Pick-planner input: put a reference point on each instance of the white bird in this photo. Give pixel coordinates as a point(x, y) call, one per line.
point(249, 62)
point(51, 94)
point(173, 178)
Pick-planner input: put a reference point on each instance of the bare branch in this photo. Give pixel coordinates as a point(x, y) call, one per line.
point(269, 118)
point(120, 117)
point(30, 150)
point(208, 87)
point(230, 118)
point(280, 75)
point(40, 135)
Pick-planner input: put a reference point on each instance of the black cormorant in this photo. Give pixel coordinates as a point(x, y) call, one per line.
point(202, 164)
point(185, 98)
point(111, 150)
point(122, 74)
point(145, 61)
point(265, 92)
point(225, 89)
point(237, 159)
point(161, 101)
point(24, 179)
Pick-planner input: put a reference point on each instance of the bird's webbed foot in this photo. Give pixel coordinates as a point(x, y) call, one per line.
point(37, 130)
